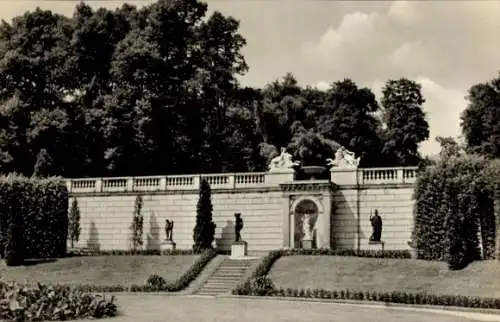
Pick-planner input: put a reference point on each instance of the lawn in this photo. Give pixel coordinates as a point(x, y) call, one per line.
point(101, 270)
point(372, 274)
point(156, 308)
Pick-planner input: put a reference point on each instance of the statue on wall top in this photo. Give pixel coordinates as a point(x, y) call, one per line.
point(169, 227)
point(306, 227)
point(344, 159)
point(282, 161)
point(376, 222)
point(238, 226)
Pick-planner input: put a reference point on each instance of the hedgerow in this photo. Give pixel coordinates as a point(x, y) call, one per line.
point(454, 215)
point(33, 217)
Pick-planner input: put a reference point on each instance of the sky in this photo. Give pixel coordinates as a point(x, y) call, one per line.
point(446, 46)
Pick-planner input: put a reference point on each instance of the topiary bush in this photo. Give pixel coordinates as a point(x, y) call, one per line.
point(454, 217)
point(261, 286)
point(51, 303)
point(204, 230)
point(37, 210)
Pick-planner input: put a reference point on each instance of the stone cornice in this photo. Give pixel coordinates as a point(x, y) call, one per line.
point(308, 186)
point(175, 192)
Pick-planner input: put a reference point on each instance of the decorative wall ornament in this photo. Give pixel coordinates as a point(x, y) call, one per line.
point(343, 159)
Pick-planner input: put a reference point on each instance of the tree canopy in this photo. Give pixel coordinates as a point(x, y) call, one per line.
point(155, 91)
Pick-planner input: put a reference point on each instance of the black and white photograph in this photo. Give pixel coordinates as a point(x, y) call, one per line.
point(250, 160)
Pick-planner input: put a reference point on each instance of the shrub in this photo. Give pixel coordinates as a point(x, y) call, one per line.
point(156, 283)
point(40, 206)
point(454, 212)
point(74, 223)
point(136, 228)
point(204, 230)
point(51, 303)
point(261, 286)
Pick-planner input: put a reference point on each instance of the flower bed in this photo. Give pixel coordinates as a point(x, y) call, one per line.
point(41, 302)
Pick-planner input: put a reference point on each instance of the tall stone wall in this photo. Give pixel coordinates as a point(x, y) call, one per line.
point(105, 219)
point(107, 206)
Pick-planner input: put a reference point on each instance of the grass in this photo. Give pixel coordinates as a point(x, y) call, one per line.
point(385, 275)
point(101, 270)
point(156, 308)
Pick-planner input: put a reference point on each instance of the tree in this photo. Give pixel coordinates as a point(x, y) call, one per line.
point(204, 230)
point(481, 119)
point(136, 227)
point(44, 164)
point(347, 116)
point(449, 147)
point(405, 122)
point(312, 148)
point(74, 222)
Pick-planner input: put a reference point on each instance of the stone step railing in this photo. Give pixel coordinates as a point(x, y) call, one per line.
point(221, 181)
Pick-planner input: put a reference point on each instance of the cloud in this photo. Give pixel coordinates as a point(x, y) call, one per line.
point(451, 43)
point(446, 47)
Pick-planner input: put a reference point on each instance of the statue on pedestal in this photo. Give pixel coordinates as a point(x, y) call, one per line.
point(282, 161)
point(238, 225)
point(169, 227)
point(306, 227)
point(376, 222)
point(344, 159)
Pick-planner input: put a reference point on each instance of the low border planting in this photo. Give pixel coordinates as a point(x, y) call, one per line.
point(40, 302)
point(261, 285)
point(152, 252)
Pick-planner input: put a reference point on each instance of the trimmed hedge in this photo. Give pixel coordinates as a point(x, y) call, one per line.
point(33, 217)
point(261, 285)
point(392, 297)
point(454, 212)
point(267, 262)
point(157, 283)
point(51, 303)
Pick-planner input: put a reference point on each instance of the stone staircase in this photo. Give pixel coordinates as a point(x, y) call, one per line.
point(227, 276)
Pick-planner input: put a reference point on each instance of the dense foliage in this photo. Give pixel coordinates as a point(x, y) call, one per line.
point(481, 119)
point(454, 215)
point(51, 303)
point(33, 218)
point(154, 91)
point(204, 229)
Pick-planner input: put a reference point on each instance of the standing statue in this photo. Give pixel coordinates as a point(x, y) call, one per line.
point(344, 159)
point(169, 227)
point(282, 161)
point(306, 227)
point(237, 227)
point(376, 222)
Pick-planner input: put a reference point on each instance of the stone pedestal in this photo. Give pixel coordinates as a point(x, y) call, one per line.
point(167, 245)
point(374, 246)
point(307, 244)
point(279, 176)
point(239, 249)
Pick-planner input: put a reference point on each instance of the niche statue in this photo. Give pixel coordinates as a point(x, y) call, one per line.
point(238, 225)
point(376, 222)
point(169, 227)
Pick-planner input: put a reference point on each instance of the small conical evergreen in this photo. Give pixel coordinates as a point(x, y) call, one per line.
point(204, 231)
point(74, 223)
point(136, 227)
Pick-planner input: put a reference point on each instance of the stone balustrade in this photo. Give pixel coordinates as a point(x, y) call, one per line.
point(224, 181)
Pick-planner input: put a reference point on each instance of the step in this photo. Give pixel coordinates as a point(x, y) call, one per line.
point(218, 290)
point(220, 283)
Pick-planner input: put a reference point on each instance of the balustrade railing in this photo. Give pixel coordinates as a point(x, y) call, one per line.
point(222, 181)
